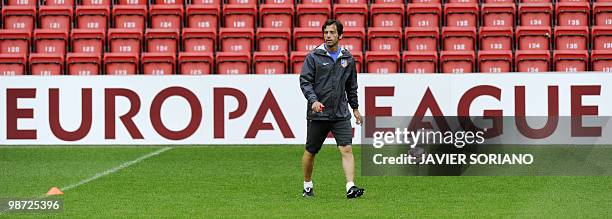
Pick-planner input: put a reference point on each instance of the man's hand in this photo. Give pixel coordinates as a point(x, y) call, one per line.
point(357, 116)
point(317, 107)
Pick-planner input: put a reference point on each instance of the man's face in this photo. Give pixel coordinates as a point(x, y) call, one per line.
point(331, 36)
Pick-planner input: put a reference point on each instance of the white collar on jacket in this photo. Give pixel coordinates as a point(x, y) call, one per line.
point(322, 47)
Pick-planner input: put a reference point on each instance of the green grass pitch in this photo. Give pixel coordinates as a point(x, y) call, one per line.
point(266, 181)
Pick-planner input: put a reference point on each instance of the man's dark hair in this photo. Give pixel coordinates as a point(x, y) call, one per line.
point(338, 24)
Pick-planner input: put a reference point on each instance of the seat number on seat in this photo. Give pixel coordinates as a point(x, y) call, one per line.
point(457, 70)
point(382, 70)
point(497, 46)
point(19, 25)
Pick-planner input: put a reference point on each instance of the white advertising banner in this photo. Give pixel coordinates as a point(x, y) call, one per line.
point(264, 109)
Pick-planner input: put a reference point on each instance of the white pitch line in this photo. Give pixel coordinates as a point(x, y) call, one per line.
point(107, 172)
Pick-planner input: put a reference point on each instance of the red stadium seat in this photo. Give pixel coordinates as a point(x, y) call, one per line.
point(233, 62)
point(533, 38)
point(388, 2)
point(387, 15)
point(495, 61)
point(498, 15)
point(92, 17)
point(385, 39)
point(297, 60)
point(459, 38)
point(12, 64)
point(602, 38)
point(424, 1)
point(270, 62)
point(166, 16)
point(67, 3)
point(46, 64)
point(326, 2)
point(96, 2)
point(87, 41)
point(358, 56)
point(570, 60)
point(241, 2)
point(83, 64)
point(236, 39)
point(130, 16)
point(19, 17)
point(532, 61)
point(351, 15)
point(162, 40)
point(199, 39)
point(166, 2)
point(602, 13)
point(21, 2)
point(353, 39)
point(239, 16)
point(158, 63)
point(132, 2)
point(276, 15)
point(420, 62)
point(457, 61)
point(288, 2)
point(571, 38)
point(50, 41)
point(273, 39)
point(461, 14)
point(601, 60)
point(124, 41)
point(203, 16)
point(423, 15)
point(496, 38)
point(535, 14)
point(382, 62)
point(55, 17)
point(205, 2)
point(306, 39)
point(121, 63)
point(15, 41)
point(421, 39)
point(463, 1)
point(573, 13)
point(312, 15)
point(353, 1)
point(534, 1)
point(498, 1)
point(196, 63)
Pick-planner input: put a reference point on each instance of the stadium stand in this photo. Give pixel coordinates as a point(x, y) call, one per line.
point(121, 63)
point(496, 38)
point(420, 62)
point(191, 63)
point(158, 63)
point(382, 62)
point(83, 63)
point(270, 62)
point(87, 41)
point(199, 40)
point(424, 15)
point(90, 37)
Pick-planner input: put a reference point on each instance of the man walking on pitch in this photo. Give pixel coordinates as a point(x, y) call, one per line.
point(329, 83)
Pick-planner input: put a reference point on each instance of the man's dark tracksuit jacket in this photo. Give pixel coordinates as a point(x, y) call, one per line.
point(334, 84)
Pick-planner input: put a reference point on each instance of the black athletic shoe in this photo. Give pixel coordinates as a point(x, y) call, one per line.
point(308, 193)
point(354, 192)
